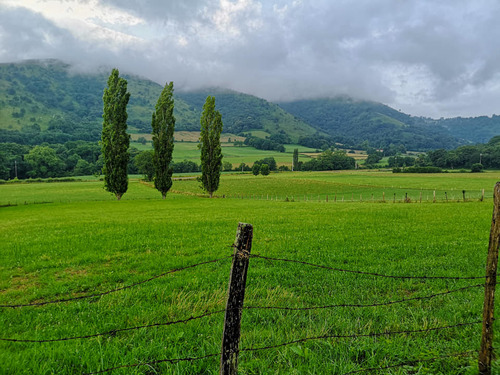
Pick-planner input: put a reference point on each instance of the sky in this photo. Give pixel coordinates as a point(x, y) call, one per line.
point(423, 57)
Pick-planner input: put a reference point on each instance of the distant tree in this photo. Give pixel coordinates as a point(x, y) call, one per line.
point(476, 168)
point(144, 164)
point(227, 166)
point(256, 169)
point(211, 153)
point(186, 166)
point(4, 169)
point(243, 167)
point(295, 160)
point(142, 140)
point(264, 169)
point(44, 162)
point(271, 162)
point(329, 161)
point(114, 138)
point(373, 158)
point(283, 168)
point(163, 124)
point(83, 168)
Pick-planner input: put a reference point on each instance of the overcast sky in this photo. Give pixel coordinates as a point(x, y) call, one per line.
point(424, 57)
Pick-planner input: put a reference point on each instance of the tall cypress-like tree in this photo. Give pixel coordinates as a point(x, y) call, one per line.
point(295, 161)
point(114, 139)
point(163, 124)
point(211, 153)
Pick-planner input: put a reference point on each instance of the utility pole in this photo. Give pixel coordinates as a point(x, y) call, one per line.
point(15, 168)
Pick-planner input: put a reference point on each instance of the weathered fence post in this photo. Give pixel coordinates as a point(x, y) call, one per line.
point(486, 350)
point(236, 294)
point(434, 196)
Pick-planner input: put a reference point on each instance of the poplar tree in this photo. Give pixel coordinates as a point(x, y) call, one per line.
point(114, 139)
point(163, 124)
point(295, 161)
point(211, 153)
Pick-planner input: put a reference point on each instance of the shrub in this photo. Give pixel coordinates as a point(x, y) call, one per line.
point(264, 169)
point(256, 169)
point(476, 168)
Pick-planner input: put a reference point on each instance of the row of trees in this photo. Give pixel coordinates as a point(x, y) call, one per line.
point(465, 157)
point(115, 140)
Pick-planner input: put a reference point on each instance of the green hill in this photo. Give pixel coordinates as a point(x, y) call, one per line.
point(44, 101)
point(242, 113)
point(353, 122)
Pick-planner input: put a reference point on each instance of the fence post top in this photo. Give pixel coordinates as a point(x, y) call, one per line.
point(244, 225)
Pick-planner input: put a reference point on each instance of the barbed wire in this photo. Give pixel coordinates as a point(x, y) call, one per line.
point(115, 331)
point(412, 362)
point(174, 360)
point(116, 289)
point(118, 330)
point(354, 336)
point(190, 359)
point(369, 273)
point(376, 304)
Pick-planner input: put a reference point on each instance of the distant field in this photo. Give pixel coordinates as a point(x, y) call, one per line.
point(233, 154)
point(86, 242)
point(355, 185)
point(185, 136)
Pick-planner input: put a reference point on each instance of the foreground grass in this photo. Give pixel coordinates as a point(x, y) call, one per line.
point(59, 250)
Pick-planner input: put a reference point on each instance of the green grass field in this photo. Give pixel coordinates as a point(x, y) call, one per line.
point(232, 154)
point(85, 242)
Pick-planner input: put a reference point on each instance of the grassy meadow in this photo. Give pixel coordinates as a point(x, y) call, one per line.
point(81, 241)
point(188, 150)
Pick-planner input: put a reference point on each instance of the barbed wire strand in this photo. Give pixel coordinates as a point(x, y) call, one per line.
point(363, 305)
point(412, 362)
point(115, 331)
point(388, 333)
point(117, 289)
point(368, 273)
point(377, 334)
point(175, 360)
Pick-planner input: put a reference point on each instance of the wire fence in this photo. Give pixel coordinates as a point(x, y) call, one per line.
point(114, 332)
point(378, 195)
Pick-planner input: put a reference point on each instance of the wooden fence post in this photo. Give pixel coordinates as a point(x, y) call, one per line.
point(236, 294)
point(486, 350)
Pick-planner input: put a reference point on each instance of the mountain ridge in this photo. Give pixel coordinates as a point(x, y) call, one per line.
point(47, 101)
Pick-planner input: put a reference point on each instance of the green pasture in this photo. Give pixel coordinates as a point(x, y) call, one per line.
point(232, 154)
point(352, 186)
point(86, 242)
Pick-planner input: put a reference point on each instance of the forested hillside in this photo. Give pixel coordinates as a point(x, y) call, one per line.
point(354, 122)
point(46, 102)
point(243, 113)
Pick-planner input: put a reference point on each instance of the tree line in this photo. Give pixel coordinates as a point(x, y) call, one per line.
point(115, 141)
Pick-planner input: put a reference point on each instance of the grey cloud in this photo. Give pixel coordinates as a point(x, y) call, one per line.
point(25, 34)
point(287, 50)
